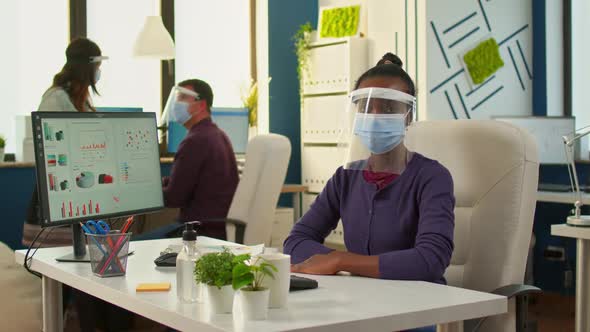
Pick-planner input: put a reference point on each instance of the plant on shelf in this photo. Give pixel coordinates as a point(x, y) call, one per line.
point(248, 276)
point(2, 145)
point(215, 271)
point(302, 40)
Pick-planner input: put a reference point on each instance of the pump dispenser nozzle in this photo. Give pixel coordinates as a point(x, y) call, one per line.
point(190, 233)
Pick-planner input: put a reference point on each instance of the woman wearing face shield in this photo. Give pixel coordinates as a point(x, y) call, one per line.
point(396, 206)
point(69, 92)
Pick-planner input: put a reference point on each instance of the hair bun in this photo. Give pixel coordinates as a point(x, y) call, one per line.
point(390, 58)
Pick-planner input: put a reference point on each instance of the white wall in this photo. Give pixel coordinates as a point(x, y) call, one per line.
point(262, 61)
point(505, 17)
point(554, 57)
point(425, 62)
point(580, 62)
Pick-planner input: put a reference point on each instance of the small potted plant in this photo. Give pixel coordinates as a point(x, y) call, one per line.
point(248, 275)
point(215, 271)
point(2, 144)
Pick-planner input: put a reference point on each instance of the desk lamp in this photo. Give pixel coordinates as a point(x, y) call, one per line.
point(577, 219)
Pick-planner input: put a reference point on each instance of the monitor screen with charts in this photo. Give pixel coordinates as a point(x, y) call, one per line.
point(96, 165)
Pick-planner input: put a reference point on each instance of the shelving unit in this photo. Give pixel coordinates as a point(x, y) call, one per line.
point(334, 66)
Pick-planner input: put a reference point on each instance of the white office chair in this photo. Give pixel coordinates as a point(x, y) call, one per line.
point(251, 214)
point(495, 172)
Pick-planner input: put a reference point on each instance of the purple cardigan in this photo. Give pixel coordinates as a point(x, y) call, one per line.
point(409, 224)
point(204, 177)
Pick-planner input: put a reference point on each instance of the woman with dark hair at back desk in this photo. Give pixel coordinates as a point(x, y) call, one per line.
point(70, 92)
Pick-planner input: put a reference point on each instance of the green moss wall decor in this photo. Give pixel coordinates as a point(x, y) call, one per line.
point(483, 60)
point(340, 22)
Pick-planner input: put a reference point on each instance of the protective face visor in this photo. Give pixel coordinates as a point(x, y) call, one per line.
point(373, 125)
point(95, 59)
point(177, 105)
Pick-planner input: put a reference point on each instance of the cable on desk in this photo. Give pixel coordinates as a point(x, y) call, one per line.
point(28, 260)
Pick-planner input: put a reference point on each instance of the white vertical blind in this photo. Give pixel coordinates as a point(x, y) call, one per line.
point(34, 37)
point(126, 81)
point(213, 44)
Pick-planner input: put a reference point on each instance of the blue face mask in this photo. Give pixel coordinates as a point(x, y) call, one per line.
point(380, 133)
point(180, 112)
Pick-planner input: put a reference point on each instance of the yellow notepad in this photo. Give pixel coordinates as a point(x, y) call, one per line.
point(153, 287)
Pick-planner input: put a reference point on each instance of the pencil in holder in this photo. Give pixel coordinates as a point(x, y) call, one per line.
point(108, 253)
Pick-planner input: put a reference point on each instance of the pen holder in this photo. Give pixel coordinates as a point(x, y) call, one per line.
point(108, 253)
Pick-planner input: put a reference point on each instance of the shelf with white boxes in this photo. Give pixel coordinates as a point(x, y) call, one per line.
point(334, 66)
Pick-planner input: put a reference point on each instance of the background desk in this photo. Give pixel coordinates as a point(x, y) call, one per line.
point(340, 303)
point(561, 197)
point(582, 236)
point(18, 181)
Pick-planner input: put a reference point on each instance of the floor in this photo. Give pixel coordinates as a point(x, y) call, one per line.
point(553, 312)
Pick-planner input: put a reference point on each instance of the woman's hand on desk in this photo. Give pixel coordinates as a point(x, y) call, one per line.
point(319, 264)
point(337, 261)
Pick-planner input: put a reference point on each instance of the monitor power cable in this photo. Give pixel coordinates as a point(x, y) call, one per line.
point(28, 259)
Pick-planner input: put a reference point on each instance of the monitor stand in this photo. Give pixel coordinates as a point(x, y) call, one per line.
point(80, 253)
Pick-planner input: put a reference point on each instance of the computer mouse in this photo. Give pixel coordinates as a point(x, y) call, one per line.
point(167, 259)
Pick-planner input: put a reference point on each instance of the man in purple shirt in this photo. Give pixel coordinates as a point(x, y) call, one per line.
point(396, 206)
point(204, 175)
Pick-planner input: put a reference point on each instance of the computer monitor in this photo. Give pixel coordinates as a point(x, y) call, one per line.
point(233, 121)
point(118, 109)
point(93, 165)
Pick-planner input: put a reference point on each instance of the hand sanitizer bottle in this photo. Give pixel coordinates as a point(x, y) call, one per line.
point(187, 288)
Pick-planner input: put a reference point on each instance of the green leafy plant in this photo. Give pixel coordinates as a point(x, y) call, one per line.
point(302, 40)
point(483, 60)
point(250, 101)
point(215, 269)
point(340, 22)
point(250, 275)
point(2, 142)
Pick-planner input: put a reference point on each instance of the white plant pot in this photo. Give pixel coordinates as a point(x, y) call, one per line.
point(254, 304)
point(220, 301)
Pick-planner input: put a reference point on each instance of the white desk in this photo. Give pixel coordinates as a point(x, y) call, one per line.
point(582, 235)
point(560, 197)
point(341, 303)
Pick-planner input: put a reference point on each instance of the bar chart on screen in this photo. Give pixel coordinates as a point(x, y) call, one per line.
point(71, 209)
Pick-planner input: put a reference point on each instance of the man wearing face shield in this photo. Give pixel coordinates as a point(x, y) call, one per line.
point(204, 175)
point(396, 206)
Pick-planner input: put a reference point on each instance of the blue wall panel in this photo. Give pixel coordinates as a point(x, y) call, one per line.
point(284, 19)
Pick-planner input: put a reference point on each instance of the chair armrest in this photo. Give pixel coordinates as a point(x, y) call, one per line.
point(519, 292)
point(239, 224)
point(516, 290)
